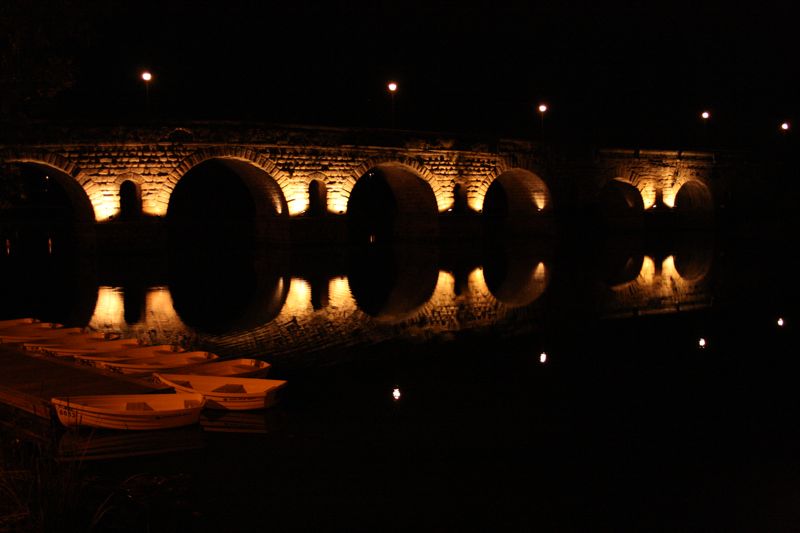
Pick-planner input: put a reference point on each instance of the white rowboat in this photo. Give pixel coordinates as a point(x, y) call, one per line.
point(37, 332)
point(104, 347)
point(134, 411)
point(17, 322)
point(222, 392)
point(243, 368)
point(70, 340)
point(155, 364)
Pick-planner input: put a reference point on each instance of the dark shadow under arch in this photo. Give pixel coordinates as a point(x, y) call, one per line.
point(694, 207)
point(619, 206)
point(46, 212)
point(317, 198)
point(130, 201)
point(226, 204)
point(516, 203)
point(390, 204)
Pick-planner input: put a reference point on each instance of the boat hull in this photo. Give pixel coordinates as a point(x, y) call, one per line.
point(158, 364)
point(84, 411)
point(243, 368)
point(262, 395)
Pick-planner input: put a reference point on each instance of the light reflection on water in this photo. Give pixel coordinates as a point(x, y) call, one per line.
point(285, 315)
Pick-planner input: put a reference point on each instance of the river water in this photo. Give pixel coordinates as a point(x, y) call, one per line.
point(559, 385)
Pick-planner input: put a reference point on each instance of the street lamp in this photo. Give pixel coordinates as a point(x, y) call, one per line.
point(147, 76)
point(542, 110)
point(705, 116)
point(392, 86)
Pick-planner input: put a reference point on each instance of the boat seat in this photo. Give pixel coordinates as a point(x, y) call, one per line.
point(230, 387)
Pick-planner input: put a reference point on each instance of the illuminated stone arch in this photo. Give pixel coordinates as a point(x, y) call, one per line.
point(444, 197)
point(621, 194)
point(311, 194)
point(86, 198)
point(252, 167)
point(391, 202)
point(525, 192)
point(137, 182)
point(691, 194)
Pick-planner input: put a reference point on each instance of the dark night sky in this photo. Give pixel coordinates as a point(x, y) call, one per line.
point(611, 74)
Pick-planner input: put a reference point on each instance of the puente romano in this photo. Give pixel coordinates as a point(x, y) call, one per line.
point(125, 190)
point(397, 186)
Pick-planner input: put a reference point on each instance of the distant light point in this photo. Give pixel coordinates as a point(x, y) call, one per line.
point(780, 322)
point(543, 357)
point(542, 108)
point(701, 343)
point(785, 126)
point(396, 394)
point(392, 86)
point(147, 76)
point(705, 115)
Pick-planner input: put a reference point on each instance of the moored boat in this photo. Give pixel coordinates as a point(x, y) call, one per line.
point(155, 364)
point(37, 332)
point(223, 392)
point(133, 411)
point(120, 348)
point(17, 322)
point(70, 340)
point(243, 368)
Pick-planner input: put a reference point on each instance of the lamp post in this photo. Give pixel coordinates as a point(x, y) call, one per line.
point(542, 110)
point(392, 86)
point(705, 116)
point(147, 77)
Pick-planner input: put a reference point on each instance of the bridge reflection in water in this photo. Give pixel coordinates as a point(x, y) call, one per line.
point(399, 293)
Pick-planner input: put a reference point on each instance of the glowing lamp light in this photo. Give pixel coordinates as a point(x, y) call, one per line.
point(543, 357)
point(785, 126)
point(542, 108)
point(396, 394)
point(701, 343)
point(392, 86)
point(147, 76)
point(780, 322)
point(705, 115)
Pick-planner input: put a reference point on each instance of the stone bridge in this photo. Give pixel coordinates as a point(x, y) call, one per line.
point(423, 179)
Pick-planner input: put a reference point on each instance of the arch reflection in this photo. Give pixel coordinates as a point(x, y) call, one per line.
point(517, 276)
point(661, 286)
point(391, 283)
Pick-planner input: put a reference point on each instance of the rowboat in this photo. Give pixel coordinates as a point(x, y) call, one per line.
point(243, 368)
point(17, 322)
point(107, 350)
point(37, 332)
point(122, 354)
point(134, 411)
point(30, 327)
point(71, 340)
point(154, 364)
point(222, 392)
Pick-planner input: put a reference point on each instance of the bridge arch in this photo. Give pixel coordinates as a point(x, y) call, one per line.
point(516, 202)
point(527, 191)
point(443, 197)
point(390, 202)
point(129, 192)
point(85, 199)
point(251, 205)
point(261, 176)
point(619, 204)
